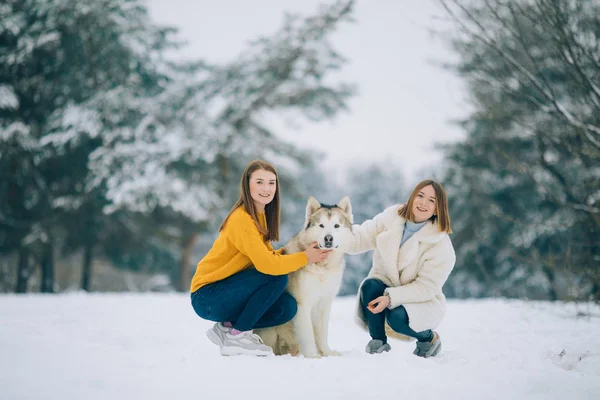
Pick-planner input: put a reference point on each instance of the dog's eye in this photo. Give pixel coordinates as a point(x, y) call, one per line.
point(322, 226)
point(336, 226)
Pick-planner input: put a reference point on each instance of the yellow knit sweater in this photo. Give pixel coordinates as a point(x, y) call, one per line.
point(239, 245)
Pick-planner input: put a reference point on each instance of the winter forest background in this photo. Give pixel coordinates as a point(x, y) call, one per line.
point(118, 160)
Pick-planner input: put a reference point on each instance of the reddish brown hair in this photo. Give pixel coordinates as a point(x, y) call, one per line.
point(440, 215)
point(245, 200)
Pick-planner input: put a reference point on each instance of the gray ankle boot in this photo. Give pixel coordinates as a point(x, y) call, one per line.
point(376, 346)
point(428, 349)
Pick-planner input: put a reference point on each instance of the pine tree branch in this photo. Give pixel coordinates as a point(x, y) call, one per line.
point(589, 130)
point(565, 39)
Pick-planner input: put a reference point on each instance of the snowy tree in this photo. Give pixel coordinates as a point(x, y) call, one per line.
point(372, 188)
point(193, 140)
point(58, 58)
point(525, 183)
point(110, 147)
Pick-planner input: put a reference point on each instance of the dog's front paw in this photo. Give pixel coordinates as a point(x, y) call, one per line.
point(330, 353)
point(311, 354)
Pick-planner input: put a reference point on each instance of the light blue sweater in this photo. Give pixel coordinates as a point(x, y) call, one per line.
point(410, 228)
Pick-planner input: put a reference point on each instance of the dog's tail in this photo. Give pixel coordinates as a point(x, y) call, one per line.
point(268, 336)
point(280, 338)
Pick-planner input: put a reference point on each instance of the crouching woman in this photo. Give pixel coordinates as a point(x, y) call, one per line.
point(412, 258)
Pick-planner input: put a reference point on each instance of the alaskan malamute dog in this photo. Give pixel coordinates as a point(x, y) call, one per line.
point(316, 285)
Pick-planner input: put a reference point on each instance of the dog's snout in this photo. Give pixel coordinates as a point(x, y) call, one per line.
point(328, 241)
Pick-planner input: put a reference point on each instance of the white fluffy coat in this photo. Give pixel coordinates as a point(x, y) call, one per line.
point(415, 272)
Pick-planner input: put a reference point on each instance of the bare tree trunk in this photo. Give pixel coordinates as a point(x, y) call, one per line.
point(86, 270)
point(551, 276)
point(594, 276)
point(184, 264)
point(23, 271)
point(595, 296)
point(47, 284)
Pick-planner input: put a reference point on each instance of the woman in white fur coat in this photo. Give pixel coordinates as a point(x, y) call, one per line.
point(412, 258)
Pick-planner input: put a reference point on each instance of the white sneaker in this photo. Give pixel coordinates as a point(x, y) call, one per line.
point(245, 343)
point(217, 333)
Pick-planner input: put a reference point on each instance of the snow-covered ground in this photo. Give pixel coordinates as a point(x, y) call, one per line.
point(152, 346)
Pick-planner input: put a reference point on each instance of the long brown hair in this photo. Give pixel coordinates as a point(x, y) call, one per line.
point(440, 215)
point(245, 200)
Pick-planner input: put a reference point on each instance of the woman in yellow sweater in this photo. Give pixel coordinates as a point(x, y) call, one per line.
point(240, 283)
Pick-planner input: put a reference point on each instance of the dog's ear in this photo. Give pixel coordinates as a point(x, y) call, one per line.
point(311, 206)
point(346, 207)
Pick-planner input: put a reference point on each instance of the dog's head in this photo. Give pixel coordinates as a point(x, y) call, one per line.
point(329, 225)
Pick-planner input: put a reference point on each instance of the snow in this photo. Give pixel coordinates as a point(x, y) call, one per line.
point(17, 130)
point(153, 346)
point(72, 122)
point(8, 98)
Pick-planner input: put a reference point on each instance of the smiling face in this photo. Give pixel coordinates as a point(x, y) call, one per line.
point(424, 204)
point(263, 185)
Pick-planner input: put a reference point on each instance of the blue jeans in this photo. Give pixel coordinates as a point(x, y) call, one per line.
point(248, 299)
point(397, 318)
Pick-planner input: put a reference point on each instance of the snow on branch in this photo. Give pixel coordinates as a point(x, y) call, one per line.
point(70, 123)
point(8, 98)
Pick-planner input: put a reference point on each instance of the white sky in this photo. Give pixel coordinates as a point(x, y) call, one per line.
point(404, 102)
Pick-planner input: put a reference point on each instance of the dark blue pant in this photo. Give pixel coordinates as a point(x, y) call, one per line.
point(397, 318)
point(248, 299)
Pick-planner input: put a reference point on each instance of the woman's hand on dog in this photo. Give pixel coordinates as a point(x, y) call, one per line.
point(379, 304)
point(315, 254)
